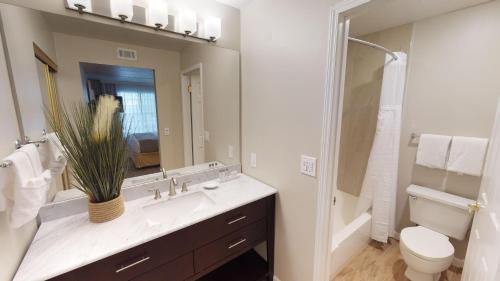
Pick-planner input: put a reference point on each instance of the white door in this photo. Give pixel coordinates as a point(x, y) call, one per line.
point(192, 115)
point(482, 262)
point(197, 119)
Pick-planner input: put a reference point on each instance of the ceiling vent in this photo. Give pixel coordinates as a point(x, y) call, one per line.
point(126, 54)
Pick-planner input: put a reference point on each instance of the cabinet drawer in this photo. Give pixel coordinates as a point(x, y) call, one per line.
point(136, 261)
point(230, 245)
point(177, 270)
point(228, 222)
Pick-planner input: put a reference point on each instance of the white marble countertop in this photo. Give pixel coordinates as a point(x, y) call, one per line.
point(68, 243)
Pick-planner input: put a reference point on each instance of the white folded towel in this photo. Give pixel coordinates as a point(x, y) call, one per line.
point(30, 185)
point(433, 150)
point(52, 155)
point(467, 155)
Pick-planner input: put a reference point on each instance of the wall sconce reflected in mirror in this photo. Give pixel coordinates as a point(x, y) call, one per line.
point(158, 14)
point(213, 28)
point(187, 21)
point(80, 5)
point(122, 9)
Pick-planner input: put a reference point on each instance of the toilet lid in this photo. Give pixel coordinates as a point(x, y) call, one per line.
point(426, 244)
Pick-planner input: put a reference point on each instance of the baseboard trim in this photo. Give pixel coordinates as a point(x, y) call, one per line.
point(458, 262)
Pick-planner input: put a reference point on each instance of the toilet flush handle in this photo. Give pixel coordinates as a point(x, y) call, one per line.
point(413, 197)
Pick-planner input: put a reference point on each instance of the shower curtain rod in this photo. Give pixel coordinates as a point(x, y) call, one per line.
point(375, 46)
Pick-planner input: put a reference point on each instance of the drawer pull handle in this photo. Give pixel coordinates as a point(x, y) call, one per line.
point(237, 220)
point(242, 240)
point(125, 267)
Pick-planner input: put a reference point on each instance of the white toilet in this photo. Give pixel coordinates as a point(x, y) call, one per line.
point(426, 248)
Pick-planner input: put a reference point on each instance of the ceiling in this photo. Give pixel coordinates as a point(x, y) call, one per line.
point(383, 14)
point(238, 4)
point(117, 73)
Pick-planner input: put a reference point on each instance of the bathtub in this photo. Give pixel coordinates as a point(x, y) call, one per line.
point(350, 234)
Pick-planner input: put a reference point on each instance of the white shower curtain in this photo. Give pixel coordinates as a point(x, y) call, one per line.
point(380, 183)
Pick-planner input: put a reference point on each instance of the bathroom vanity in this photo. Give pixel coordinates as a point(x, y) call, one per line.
point(197, 235)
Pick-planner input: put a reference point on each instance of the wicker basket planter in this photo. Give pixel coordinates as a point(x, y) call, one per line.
point(106, 211)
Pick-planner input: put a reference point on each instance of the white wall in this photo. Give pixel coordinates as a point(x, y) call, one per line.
point(221, 98)
point(14, 243)
point(283, 62)
point(71, 50)
point(452, 89)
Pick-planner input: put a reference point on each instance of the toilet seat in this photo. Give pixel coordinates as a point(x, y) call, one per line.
point(426, 244)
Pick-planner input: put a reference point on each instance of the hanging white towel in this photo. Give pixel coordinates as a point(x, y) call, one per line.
point(380, 182)
point(433, 151)
point(52, 155)
point(29, 187)
point(467, 155)
point(3, 182)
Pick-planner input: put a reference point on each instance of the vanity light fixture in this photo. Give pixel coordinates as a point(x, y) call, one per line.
point(157, 18)
point(213, 28)
point(187, 21)
point(158, 14)
point(80, 5)
point(122, 9)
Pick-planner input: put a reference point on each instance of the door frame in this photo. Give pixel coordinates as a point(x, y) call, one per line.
point(186, 111)
point(332, 110)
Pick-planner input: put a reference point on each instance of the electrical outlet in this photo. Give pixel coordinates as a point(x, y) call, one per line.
point(166, 131)
point(230, 151)
point(253, 160)
point(308, 165)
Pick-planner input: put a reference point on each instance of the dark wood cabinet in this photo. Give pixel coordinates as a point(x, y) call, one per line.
point(212, 248)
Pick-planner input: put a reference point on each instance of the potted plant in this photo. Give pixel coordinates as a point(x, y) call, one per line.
point(94, 142)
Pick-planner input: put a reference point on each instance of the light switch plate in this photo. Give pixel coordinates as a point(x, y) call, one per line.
point(308, 165)
point(253, 160)
point(207, 136)
point(166, 131)
point(230, 151)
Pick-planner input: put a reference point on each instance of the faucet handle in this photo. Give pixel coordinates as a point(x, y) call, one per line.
point(164, 172)
point(184, 186)
point(156, 192)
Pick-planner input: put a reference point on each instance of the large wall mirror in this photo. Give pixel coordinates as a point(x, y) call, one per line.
point(179, 96)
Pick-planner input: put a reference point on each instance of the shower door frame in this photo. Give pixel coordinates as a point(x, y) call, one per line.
point(330, 135)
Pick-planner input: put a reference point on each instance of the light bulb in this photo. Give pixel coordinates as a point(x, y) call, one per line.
point(187, 21)
point(122, 9)
point(158, 13)
point(213, 28)
point(80, 5)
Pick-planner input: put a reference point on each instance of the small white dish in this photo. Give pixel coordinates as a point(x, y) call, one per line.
point(211, 185)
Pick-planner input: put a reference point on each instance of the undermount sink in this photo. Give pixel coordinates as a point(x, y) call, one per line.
point(176, 208)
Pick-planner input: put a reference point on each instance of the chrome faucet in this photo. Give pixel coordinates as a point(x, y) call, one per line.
point(157, 193)
point(173, 185)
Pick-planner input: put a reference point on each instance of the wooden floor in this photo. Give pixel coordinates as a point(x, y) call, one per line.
point(379, 262)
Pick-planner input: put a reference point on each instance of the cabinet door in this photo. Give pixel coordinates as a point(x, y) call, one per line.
point(230, 245)
point(177, 270)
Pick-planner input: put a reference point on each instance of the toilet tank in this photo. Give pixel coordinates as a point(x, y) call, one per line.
point(442, 212)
